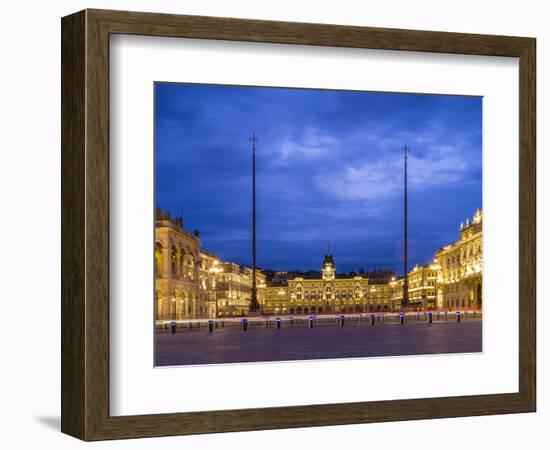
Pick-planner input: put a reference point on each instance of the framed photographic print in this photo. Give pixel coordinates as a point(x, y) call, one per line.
point(271, 224)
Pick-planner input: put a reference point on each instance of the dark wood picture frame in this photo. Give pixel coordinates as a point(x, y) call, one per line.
point(85, 224)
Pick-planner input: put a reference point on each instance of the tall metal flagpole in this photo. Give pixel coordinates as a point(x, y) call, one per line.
point(405, 301)
point(254, 299)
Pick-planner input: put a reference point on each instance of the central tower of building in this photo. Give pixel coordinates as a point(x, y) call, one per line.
point(328, 268)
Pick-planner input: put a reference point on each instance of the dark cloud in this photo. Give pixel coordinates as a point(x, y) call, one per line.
point(329, 166)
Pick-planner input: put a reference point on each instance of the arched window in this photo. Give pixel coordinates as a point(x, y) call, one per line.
point(158, 258)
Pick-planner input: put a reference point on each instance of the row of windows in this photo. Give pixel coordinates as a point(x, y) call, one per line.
point(356, 301)
point(233, 286)
point(455, 303)
point(327, 309)
point(466, 253)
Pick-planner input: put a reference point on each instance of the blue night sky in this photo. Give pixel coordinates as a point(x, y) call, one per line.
point(329, 169)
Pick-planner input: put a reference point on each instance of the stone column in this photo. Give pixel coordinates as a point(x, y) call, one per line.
point(167, 262)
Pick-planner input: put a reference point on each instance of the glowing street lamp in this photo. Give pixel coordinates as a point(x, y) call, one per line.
point(215, 269)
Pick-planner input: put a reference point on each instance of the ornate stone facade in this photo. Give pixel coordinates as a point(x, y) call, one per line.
point(461, 267)
point(452, 281)
point(328, 293)
point(423, 286)
point(177, 262)
point(234, 289)
point(193, 283)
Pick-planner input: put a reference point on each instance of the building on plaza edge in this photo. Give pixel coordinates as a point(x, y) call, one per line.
point(460, 266)
point(193, 283)
point(326, 293)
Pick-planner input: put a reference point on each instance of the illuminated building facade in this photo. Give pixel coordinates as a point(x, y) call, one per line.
point(423, 286)
point(455, 277)
point(208, 273)
point(234, 289)
point(461, 267)
point(177, 257)
point(452, 281)
point(191, 282)
point(327, 293)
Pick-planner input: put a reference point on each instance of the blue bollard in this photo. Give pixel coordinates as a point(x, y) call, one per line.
point(401, 318)
point(430, 318)
point(210, 326)
point(278, 323)
point(310, 321)
point(173, 327)
point(342, 320)
point(244, 324)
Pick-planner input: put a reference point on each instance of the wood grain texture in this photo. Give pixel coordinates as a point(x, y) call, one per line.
point(73, 226)
point(527, 224)
point(85, 224)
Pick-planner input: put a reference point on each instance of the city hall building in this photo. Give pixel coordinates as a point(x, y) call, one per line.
point(453, 280)
point(191, 282)
point(327, 293)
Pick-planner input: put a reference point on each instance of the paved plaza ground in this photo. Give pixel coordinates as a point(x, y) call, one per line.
point(231, 344)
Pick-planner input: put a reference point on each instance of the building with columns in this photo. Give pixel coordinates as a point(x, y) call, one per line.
point(177, 270)
point(453, 280)
point(191, 282)
point(327, 293)
point(460, 264)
